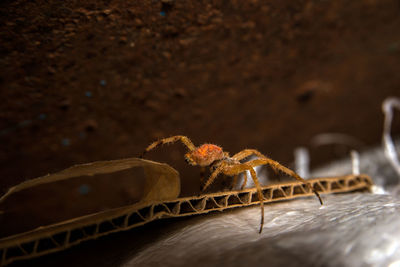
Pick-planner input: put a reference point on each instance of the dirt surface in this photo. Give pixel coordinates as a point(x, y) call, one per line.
point(82, 81)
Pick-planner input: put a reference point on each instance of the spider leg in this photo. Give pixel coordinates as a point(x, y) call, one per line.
point(202, 174)
point(244, 181)
point(244, 154)
point(276, 165)
point(260, 196)
point(234, 182)
point(213, 175)
point(247, 153)
point(233, 170)
point(242, 168)
point(186, 141)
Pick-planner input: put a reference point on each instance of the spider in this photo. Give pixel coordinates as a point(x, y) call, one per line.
point(220, 162)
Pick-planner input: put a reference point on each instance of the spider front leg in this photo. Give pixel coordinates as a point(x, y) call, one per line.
point(276, 165)
point(186, 141)
point(235, 181)
point(244, 181)
point(247, 153)
point(242, 168)
point(202, 175)
point(233, 170)
point(217, 171)
point(260, 196)
point(213, 175)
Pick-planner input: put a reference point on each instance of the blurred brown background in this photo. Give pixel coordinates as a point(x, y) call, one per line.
point(82, 81)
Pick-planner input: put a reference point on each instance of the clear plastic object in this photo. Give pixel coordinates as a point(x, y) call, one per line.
point(390, 150)
point(302, 162)
point(355, 162)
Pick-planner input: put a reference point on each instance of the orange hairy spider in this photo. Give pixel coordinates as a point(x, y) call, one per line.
point(220, 162)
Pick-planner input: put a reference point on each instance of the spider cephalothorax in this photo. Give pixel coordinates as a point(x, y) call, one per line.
point(205, 155)
point(220, 162)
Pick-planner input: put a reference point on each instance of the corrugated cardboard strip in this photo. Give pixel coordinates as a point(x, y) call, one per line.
point(159, 199)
